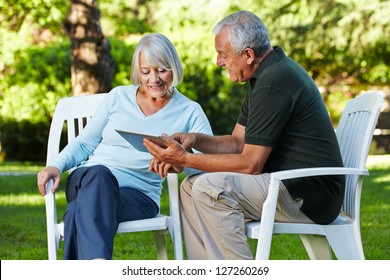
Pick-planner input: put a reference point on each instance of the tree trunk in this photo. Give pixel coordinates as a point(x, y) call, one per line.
point(92, 65)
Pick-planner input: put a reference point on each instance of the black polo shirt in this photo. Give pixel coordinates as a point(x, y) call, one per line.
point(283, 109)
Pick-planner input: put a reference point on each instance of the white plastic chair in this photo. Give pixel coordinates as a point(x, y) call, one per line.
point(75, 112)
point(354, 134)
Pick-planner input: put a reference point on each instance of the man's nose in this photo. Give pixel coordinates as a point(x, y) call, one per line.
point(219, 61)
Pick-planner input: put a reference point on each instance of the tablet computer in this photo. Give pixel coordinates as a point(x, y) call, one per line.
point(136, 139)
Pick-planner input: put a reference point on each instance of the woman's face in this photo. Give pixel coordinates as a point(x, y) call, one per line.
point(155, 81)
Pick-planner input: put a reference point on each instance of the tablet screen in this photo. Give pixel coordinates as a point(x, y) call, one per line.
point(136, 139)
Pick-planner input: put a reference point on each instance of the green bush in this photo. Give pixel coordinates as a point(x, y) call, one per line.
point(23, 140)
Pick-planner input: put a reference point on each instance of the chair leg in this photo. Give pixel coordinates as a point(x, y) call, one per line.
point(53, 241)
point(346, 243)
point(177, 245)
point(317, 246)
point(159, 237)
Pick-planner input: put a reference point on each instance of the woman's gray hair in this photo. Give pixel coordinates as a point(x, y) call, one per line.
point(246, 31)
point(159, 52)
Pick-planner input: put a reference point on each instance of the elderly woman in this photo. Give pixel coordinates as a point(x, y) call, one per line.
point(112, 182)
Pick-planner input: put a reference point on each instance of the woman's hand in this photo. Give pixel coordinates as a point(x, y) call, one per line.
point(163, 168)
point(50, 172)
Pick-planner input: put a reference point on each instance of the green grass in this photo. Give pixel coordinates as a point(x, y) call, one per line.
point(23, 227)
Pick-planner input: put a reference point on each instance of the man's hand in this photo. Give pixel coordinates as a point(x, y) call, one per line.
point(187, 140)
point(175, 154)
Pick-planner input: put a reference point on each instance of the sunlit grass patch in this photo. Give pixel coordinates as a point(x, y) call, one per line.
point(378, 161)
point(25, 167)
point(24, 199)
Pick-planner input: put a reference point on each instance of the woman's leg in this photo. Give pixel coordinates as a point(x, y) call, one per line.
point(135, 205)
point(91, 216)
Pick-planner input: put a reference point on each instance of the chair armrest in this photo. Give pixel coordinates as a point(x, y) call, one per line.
point(269, 206)
point(174, 226)
point(49, 186)
point(51, 211)
point(173, 193)
point(53, 235)
point(317, 171)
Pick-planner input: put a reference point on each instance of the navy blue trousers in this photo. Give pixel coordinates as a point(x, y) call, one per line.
point(96, 205)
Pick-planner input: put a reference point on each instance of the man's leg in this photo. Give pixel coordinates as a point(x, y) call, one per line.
point(190, 222)
point(219, 201)
point(215, 209)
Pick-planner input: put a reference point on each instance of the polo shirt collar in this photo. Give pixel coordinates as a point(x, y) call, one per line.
point(275, 56)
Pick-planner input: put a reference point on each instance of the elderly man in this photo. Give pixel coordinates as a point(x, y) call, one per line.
point(283, 124)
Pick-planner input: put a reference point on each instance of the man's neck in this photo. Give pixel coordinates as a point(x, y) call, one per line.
point(258, 60)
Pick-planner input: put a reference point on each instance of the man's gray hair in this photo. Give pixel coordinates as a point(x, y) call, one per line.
point(246, 31)
point(159, 52)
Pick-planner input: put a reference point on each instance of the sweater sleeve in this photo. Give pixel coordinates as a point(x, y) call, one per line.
point(78, 150)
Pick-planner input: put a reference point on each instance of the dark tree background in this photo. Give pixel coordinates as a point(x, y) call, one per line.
point(92, 68)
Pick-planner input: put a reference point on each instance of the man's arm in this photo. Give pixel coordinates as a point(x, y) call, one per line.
point(219, 153)
point(209, 144)
point(250, 161)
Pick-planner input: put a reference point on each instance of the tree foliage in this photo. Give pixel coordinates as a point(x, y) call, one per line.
point(34, 59)
point(339, 42)
point(344, 44)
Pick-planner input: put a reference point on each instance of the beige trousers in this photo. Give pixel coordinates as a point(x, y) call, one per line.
point(214, 207)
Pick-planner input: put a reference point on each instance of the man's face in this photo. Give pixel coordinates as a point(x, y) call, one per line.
point(235, 64)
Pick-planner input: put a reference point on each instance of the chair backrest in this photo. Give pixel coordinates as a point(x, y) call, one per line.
point(354, 134)
point(76, 115)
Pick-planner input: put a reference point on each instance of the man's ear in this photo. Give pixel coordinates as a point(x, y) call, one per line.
point(249, 55)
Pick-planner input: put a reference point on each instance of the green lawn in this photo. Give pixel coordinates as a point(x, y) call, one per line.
point(23, 229)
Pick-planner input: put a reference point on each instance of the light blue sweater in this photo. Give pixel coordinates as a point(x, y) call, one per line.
point(100, 144)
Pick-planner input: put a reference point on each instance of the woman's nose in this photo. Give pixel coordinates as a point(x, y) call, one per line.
point(155, 76)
